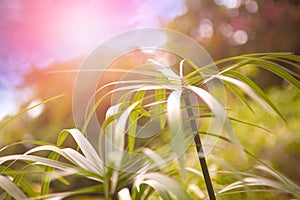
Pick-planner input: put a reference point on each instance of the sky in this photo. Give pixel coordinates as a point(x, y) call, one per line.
point(40, 32)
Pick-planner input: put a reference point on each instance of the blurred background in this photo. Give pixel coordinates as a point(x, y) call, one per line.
point(40, 39)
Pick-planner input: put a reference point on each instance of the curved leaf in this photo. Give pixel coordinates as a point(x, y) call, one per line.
point(174, 117)
point(218, 111)
point(170, 184)
point(250, 87)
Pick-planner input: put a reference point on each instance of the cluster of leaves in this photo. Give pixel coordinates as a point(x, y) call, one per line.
point(125, 165)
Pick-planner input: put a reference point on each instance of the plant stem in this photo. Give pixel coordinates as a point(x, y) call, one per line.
point(114, 196)
point(200, 152)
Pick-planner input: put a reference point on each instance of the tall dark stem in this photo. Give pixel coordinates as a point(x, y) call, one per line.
point(200, 151)
point(113, 196)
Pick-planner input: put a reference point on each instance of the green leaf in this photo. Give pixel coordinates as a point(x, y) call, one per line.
point(174, 117)
point(159, 162)
point(8, 186)
point(160, 96)
point(95, 189)
point(170, 184)
point(24, 111)
point(277, 69)
point(85, 146)
point(219, 113)
point(38, 160)
point(131, 89)
point(159, 188)
point(133, 119)
point(46, 179)
point(18, 179)
point(238, 94)
point(262, 96)
point(71, 155)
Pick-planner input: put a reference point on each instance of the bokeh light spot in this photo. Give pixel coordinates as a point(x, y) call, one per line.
point(240, 37)
point(204, 31)
point(234, 12)
point(251, 6)
point(226, 30)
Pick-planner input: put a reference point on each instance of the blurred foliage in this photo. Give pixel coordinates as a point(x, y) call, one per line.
point(268, 26)
point(280, 146)
point(227, 28)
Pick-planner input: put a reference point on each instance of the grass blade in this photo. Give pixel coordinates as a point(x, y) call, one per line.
point(25, 111)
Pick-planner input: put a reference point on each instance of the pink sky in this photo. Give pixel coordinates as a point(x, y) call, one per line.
point(38, 32)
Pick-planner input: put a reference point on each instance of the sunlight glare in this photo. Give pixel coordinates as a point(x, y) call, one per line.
point(35, 112)
point(7, 105)
point(79, 29)
point(230, 4)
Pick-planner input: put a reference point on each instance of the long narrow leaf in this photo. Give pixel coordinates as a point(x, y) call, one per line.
point(219, 112)
point(85, 146)
point(28, 109)
point(170, 184)
point(8, 186)
point(268, 103)
point(174, 117)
